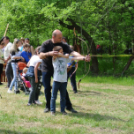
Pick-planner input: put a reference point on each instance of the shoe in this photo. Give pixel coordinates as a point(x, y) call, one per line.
point(64, 113)
point(1, 83)
point(9, 91)
point(72, 110)
point(16, 91)
point(38, 102)
point(75, 92)
point(28, 104)
point(53, 113)
point(46, 110)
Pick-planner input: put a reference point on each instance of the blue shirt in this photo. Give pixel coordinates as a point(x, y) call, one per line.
point(26, 56)
point(72, 62)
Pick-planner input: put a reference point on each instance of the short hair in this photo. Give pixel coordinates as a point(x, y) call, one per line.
point(7, 38)
point(37, 49)
point(64, 38)
point(25, 69)
point(57, 48)
point(26, 38)
point(26, 45)
point(55, 32)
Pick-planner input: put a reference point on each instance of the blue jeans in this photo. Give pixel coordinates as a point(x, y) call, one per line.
point(33, 90)
point(62, 87)
point(46, 79)
point(15, 79)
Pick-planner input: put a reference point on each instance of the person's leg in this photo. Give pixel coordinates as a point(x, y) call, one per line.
point(62, 89)
point(9, 73)
point(16, 80)
point(39, 84)
point(33, 90)
point(14, 75)
point(73, 80)
point(1, 70)
point(55, 88)
point(46, 79)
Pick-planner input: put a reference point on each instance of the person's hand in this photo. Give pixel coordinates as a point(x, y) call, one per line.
point(22, 59)
point(87, 58)
point(53, 53)
point(36, 80)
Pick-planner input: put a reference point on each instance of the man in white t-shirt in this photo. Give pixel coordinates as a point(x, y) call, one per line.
point(7, 57)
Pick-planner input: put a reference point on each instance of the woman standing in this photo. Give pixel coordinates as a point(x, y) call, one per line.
point(1, 59)
point(15, 58)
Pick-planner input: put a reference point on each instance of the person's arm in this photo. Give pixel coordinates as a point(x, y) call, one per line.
point(36, 71)
point(76, 54)
point(63, 55)
point(25, 56)
point(32, 50)
point(51, 53)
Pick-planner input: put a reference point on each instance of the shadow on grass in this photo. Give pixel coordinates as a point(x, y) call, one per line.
point(88, 93)
point(95, 116)
point(4, 131)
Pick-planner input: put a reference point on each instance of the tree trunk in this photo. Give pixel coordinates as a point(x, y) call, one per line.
point(94, 67)
point(128, 64)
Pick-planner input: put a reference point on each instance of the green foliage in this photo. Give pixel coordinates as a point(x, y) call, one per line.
point(109, 23)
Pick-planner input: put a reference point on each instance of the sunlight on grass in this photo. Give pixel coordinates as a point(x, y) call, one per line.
point(103, 108)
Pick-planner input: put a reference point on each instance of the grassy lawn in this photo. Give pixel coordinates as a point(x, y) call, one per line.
point(105, 105)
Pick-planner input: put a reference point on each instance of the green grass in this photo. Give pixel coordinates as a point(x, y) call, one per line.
point(105, 105)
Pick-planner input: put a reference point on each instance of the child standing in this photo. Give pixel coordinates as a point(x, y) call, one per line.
point(60, 78)
point(32, 73)
point(15, 58)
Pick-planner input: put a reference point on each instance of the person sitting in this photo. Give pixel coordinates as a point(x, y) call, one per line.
point(26, 54)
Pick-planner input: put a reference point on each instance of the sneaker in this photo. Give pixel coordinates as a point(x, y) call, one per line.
point(9, 91)
point(72, 110)
point(38, 102)
point(16, 91)
point(46, 110)
point(75, 92)
point(52, 113)
point(28, 104)
point(1, 83)
point(64, 113)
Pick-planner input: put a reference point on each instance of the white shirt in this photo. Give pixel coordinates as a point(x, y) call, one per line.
point(7, 50)
point(1, 56)
point(60, 69)
point(34, 60)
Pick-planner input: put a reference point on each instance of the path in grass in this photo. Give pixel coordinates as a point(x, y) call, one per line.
point(102, 108)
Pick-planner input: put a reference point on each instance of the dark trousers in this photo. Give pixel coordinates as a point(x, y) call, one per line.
point(73, 80)
point(46, 79)
point(61, 86)
point(9, 73)
point(33, 90)
point(1, 70)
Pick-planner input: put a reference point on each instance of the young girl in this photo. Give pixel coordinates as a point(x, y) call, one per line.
point(27, 83)
point(60, 78)
point(15, 57)
point(32, 74)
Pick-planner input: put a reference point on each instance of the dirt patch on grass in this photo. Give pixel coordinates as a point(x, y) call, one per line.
point(107, 86)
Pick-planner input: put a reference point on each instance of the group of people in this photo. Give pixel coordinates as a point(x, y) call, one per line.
point(51, 58)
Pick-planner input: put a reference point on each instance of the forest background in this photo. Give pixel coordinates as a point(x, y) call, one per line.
point(108, 23)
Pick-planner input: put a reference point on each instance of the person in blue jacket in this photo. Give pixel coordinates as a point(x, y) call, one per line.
point(26, 54)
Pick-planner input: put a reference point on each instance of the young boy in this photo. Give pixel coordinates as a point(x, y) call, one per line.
point(26, 54)
point(60, 78)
